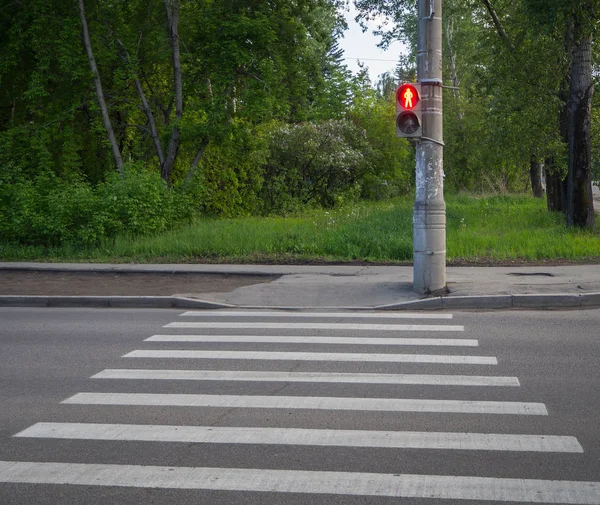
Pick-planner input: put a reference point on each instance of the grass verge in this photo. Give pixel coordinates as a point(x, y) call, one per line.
point(480, 230)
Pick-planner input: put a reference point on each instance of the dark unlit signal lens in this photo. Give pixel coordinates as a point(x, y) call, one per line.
point(408, 123)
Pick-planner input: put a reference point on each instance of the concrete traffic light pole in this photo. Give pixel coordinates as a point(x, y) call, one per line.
point(429, 215)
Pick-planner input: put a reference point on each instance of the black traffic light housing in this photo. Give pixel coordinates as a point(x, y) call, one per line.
point(409, 123)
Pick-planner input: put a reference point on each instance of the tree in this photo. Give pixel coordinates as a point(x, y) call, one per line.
point(581, 21)
point(99, 91)
point(529, 58)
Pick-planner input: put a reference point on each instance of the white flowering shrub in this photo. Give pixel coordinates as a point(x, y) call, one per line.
point(318, 163)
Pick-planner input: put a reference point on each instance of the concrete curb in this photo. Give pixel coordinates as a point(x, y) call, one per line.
point(501, 302)
point(146, 269)
point(485, 302)
point(197, 269)
point(435, 303)
point(134, 302)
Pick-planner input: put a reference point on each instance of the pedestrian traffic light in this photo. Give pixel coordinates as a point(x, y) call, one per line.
point(408, 111)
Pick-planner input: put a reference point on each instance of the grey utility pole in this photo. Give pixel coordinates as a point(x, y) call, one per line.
point(429, 216)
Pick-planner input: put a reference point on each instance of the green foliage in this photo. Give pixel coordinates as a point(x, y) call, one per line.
point(313, 163)
point(390, 161)
point(501, 228)
point(483, 229)
point(50, 212)
point(280, 121)
point(230, 173)
point(137, 204)
point(241, 60)
point(506, 110)
point(595, 128)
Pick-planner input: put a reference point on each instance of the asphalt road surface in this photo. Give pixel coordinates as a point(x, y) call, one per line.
point(103, 406)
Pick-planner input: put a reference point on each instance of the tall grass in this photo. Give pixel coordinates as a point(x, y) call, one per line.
point(479, 229)
point(367, 231)
point(514, 228)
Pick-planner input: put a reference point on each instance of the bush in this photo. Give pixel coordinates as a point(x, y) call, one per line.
point(230, 173)
point(50, 211)
point(390, 160)
point(313, 163)
point(137, 204)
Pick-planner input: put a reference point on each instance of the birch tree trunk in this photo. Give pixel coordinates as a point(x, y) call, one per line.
point(145, 107)
point(195, 161)
point(453, 71)
point(172, 7)
point(99, 93)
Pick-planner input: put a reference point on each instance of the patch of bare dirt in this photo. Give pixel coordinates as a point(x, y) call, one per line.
point(28, 282)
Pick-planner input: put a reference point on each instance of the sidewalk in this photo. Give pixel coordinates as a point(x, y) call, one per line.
point(316, 287)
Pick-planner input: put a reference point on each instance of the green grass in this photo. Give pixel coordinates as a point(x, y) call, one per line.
point(508, 228)
point(494, 229)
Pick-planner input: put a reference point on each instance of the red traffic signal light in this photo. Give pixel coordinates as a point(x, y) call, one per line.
point(408, 111)
point(407, 96)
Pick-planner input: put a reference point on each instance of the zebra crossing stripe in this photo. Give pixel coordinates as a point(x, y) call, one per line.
point(298, 314)
point(348, 378)
point(319, 326)
point(314, 356)
point(308, 402)
point(306, 482)
point(266, 339)
point(295, 436)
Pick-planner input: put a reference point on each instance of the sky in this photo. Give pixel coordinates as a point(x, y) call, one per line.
point(363, 46)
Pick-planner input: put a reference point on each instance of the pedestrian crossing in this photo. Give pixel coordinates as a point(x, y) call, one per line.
point(282, 481)
point(317, 326)
point(316, 377)
point(191, 360)
point(314, 356)
point(309, 402)
point(277, 339)
point(297, 436)
point(314, 315)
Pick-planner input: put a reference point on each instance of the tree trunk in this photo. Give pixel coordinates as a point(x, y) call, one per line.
point(153, 131)
point(172, 7)
point(453, 72)
point(580, 210)
point(535, 173)
point(556, 179)
point(145, 107)
point(99, 92)
point(499, 28)
point(556, 187)
point(195, 161)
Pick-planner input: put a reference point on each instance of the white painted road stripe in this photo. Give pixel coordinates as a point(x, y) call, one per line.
point(352, 378)
point(307, 402)
point(265, 339)
point(297, 314)
point(296, 481)
point(293, 436)
point(315, 356)
point(322, 326)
